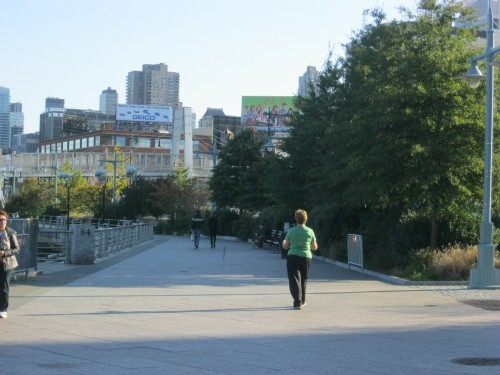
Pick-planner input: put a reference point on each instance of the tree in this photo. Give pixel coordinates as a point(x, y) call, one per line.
point(33, 198)
point(237, 180)
point(412, 127)
point(392, 142)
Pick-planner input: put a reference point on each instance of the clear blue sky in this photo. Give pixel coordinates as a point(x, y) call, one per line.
point(222, 49)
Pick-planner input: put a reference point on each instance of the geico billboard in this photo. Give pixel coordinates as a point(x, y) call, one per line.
point(143, 113)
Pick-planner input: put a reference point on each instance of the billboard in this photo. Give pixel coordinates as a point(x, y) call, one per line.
point(143, 113)
point(263, 112)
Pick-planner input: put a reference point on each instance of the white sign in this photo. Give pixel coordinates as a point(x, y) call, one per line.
point(143, 113)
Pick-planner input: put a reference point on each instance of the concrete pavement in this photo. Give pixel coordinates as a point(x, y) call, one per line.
point(167, 308)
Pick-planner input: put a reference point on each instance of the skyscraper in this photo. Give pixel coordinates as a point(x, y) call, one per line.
point(4, 118)
point(154, 85)
point(108, 101)
point(305, 81)
point(52, 120)
point(16, 119)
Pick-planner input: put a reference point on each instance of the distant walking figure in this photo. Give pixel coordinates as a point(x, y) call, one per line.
point(213, 228)
point(196, 223)
point(299, 242)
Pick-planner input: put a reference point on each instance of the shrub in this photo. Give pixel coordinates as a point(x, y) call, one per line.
point(451, 263)
point(454, 262)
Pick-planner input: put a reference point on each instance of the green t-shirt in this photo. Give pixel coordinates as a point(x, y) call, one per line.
point(300, 238)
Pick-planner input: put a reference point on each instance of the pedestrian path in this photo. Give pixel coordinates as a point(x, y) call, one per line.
point(168, 308)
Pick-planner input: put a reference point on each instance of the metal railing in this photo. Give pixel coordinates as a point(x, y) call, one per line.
point(110, 236)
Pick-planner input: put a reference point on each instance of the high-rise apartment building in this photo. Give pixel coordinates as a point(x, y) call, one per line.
point(108, 101)
point(154, 85)
point(310, 77)
point(4, 118)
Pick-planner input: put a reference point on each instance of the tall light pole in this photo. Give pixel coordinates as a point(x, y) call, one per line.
point(485, 275)
point(66, 177)
point(101, 176)
point(113, 161)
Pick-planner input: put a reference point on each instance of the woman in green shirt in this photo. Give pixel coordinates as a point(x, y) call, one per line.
point(299, 242)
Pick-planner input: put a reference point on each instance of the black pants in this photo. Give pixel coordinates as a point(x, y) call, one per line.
point(298, 270)
point(213, 238)
point(4, 288)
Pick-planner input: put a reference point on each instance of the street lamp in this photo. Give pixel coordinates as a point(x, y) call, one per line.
point(485, 275)
point(269, 146)
point(66, 177)
point(131, 172)
point(113, 161)
point(101, 176)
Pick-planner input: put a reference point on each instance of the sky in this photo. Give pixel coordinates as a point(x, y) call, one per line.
point(222, 49)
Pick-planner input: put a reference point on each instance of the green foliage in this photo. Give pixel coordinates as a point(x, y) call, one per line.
point(391, 145)
point(237, 180)
point(33, 198)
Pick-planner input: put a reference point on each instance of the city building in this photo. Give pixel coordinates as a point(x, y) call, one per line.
point(4, 119)
point(57, 121)
point(207, 119)
point(16, 119)
point(481, 7)
point(108, 101)
point(154, 85)
point(25, 143)
point(308, 79)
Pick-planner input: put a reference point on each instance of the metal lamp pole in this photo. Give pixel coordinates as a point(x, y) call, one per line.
point(66, 177)
point(101, 176)
point(113, 161)
point(485, 275)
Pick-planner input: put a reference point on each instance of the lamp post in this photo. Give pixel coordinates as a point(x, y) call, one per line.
point(131, 172)
point(101, 176)
point(269, 146)
point(67, 182)
point(113, 161)
point(485, 275)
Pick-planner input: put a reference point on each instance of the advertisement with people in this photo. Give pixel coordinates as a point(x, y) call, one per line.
point(261, 112)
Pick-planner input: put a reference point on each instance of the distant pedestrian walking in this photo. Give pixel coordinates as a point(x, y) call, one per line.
point(299, 242)
point(213, 228)
point(196, 223)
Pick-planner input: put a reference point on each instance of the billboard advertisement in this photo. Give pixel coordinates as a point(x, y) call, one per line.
point(143, 113)
point(267, 112)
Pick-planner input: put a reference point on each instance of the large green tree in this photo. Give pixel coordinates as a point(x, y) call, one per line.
point(393, 137)
point(238, 178)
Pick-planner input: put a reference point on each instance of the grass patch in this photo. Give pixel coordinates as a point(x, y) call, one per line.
point(452, 263)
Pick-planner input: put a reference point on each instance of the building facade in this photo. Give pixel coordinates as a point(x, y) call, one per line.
point(154, 85)
point(108, 101)
point(16, 119)
point(310, 77)
point(4, 119)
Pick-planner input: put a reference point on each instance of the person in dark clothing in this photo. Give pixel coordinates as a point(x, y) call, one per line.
point(213, 228)
point(196, 223)
point(264, 234)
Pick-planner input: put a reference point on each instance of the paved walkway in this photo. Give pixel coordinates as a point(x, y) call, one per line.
point(167, 308)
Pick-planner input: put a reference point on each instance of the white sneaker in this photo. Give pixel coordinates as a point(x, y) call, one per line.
point(3, 315)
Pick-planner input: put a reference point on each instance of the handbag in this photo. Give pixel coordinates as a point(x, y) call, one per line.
point(9, 263)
